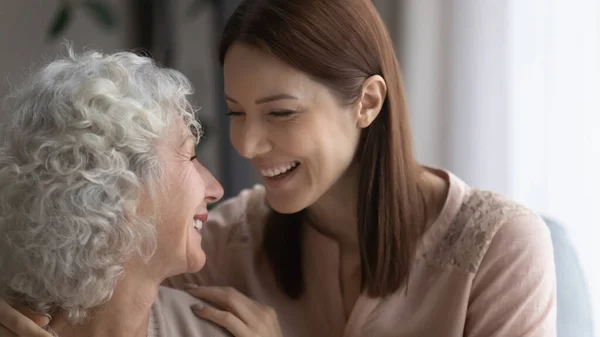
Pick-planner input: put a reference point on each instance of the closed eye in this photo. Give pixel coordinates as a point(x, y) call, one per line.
point(193, 158)
point(282, 113)
point(233, 113)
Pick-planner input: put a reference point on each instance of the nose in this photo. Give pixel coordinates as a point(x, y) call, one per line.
point(250, 139)
point(213, 189)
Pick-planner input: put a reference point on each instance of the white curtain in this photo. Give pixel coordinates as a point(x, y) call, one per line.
point(505, 93)
point(554, 109)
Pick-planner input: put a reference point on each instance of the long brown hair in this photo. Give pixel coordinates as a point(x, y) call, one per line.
point(340, 43)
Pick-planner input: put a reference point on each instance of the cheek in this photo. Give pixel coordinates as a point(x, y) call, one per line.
point(179, 183)
point(179, 205)
point(193, 190)
point(185, 192)
point(334, 147)
point(235, 133)
point(296, 140)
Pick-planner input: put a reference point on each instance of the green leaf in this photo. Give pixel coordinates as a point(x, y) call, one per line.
point(102, 12)
point(197, 6)
point(60, 21)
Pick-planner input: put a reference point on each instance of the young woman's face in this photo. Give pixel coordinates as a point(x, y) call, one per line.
point(293, 129)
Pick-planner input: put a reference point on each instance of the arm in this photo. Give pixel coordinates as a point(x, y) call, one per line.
point(15, 323)
point(514, 290)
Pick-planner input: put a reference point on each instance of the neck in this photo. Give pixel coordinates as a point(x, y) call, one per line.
point(335, 213)
point(127, 313)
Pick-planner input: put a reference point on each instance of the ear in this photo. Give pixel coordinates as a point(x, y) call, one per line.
point(374, 91)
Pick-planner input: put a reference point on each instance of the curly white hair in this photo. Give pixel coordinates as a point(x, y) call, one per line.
point(77, 150)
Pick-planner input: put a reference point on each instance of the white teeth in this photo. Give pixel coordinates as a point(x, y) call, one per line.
point(198, 224)
point(278, 170)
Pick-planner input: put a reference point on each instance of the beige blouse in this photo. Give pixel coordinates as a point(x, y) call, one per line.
point(171, 316)
point(485, 268)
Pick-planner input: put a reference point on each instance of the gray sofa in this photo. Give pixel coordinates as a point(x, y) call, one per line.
point(575, 317)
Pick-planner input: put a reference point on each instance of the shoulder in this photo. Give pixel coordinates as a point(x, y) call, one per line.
point(485, 219)
point(242, 217)
point(173, 317)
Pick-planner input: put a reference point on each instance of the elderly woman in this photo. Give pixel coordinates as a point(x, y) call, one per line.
point(103, 198)
point(349, 235)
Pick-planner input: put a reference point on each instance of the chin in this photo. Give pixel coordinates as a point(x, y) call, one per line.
point(196, 263)
point(283, 206)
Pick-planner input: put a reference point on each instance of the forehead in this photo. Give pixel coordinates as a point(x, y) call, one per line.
point(249, 71)
point(175, 131)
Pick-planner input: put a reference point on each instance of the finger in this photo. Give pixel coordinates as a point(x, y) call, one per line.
point(37, 318)
point(18, 323)
point(230, 300)
point(5, 333)
point(227, 320)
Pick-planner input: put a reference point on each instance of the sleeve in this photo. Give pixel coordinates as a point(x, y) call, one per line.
point(514, 290)
point(216, 233)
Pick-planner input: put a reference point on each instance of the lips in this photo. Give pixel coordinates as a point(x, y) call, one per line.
point(278, 170)
point(201, 217)
point(199, 220)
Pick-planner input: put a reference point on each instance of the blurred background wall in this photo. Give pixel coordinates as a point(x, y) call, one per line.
point(504, 93)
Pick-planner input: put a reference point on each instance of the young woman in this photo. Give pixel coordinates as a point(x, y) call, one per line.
point(349, 235)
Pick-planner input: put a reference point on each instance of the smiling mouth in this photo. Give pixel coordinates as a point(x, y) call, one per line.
point(280, 172)
point(198, 224)
point(199, 220)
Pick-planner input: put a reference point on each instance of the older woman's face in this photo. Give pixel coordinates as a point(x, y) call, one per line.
point(190, 187)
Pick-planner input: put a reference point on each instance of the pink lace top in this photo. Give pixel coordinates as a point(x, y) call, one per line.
point(485, 268)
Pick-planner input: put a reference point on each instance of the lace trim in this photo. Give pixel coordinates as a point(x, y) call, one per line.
point(469, 235)
point(153, 325)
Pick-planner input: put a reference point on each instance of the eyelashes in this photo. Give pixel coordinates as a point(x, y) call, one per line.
point(276, 113)
point(282, 113)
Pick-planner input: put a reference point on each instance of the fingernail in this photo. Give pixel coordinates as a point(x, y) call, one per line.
point(197, 307)
point(46, 322)
point(190, 286)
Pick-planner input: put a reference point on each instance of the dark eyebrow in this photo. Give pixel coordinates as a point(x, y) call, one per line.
point(266, 99)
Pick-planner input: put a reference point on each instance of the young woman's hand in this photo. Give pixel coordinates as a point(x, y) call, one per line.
point(240, 315)
point(19, 321)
